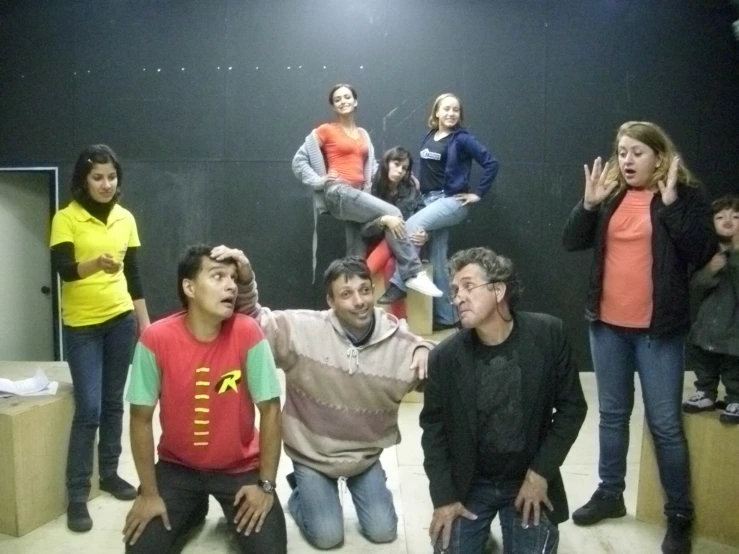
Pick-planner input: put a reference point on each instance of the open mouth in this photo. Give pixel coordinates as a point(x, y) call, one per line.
point(629, 173)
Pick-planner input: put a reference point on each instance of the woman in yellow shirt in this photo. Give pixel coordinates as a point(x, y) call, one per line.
point(94, 244)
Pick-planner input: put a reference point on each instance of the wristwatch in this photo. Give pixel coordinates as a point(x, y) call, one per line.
point(267, 486)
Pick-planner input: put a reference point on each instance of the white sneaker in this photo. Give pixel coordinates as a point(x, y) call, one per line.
point(424, 285)
point(731, 414)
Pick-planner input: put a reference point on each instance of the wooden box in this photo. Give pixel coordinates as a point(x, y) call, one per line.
point(714, 451)
point(419, 307)
point(34, 437)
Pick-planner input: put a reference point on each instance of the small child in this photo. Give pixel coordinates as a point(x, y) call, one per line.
point(714, 337)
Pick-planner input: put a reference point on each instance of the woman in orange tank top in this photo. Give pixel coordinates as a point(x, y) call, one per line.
point(648, 224)
point(337, 161)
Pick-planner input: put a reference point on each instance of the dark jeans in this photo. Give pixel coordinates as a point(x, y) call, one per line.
point(353, 205)
point(485, 500)
point(709, 367)
point(184, 492)
point(98, 357)
point(659, 361)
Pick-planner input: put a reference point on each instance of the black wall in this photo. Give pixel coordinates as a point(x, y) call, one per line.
point(206, 149)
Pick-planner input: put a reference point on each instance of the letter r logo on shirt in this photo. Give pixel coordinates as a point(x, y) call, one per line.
point(229, 380)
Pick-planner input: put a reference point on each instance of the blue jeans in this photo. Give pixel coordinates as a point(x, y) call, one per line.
point(356, 207)
point(486, 499)
point(659, 361)
point(98, 357)
point(439, 214)
point(315, 506)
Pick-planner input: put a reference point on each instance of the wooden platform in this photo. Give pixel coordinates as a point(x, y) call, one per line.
point(34, 437)
point(714, 464)
point(419, 307)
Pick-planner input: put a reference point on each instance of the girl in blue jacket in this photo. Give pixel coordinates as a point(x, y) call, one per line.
point(446, 158)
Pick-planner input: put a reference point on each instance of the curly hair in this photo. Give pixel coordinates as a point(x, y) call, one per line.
point(497, 269)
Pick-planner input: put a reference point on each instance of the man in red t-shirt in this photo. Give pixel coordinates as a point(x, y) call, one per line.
point(207, 368)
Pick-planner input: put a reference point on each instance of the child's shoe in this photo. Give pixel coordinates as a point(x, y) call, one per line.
point(699, 402)
point(731, 414)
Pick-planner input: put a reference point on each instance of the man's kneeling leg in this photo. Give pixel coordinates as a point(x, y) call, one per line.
point(316, 509)
point(374, 504)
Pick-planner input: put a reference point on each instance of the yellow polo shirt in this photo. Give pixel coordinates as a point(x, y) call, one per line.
point(100, 296)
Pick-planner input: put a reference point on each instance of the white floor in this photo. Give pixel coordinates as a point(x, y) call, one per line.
point(408, 483)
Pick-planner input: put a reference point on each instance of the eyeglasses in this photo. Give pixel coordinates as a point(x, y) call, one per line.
point(467, 288)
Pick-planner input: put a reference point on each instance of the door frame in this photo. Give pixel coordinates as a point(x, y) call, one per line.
point(52, 174)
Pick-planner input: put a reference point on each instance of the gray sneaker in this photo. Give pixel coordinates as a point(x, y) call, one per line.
point(731, 414)
point(699, 402)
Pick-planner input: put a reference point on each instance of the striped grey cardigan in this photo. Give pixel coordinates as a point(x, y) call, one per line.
point(342, 401)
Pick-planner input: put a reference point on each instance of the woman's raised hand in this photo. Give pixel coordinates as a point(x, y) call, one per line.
point(596, 187)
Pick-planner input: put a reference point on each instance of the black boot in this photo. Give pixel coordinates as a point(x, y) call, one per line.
point(602, 505)
point(677, 538)
point(78, 518)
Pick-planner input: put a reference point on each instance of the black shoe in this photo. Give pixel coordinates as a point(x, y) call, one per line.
point(677, 538)
point(602, 505)
point(120, 489)
point(392, 294)
point(78, 518)
point(291, 481)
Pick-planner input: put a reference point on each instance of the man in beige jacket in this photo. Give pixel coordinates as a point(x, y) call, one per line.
point(347, 370)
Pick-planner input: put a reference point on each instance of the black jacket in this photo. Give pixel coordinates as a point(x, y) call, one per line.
point(449, 415)
point(683, 238)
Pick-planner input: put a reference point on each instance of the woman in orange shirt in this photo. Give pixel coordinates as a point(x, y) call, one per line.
point(648, 224)
point(337, 161)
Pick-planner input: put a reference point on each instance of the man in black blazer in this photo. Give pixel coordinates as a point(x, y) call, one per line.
point(503, 406)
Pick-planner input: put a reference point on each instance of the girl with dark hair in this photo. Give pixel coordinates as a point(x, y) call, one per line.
point(447, 153)
point(648, 224)
point(393, 184)
point(337, 162)
point(94, 244)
